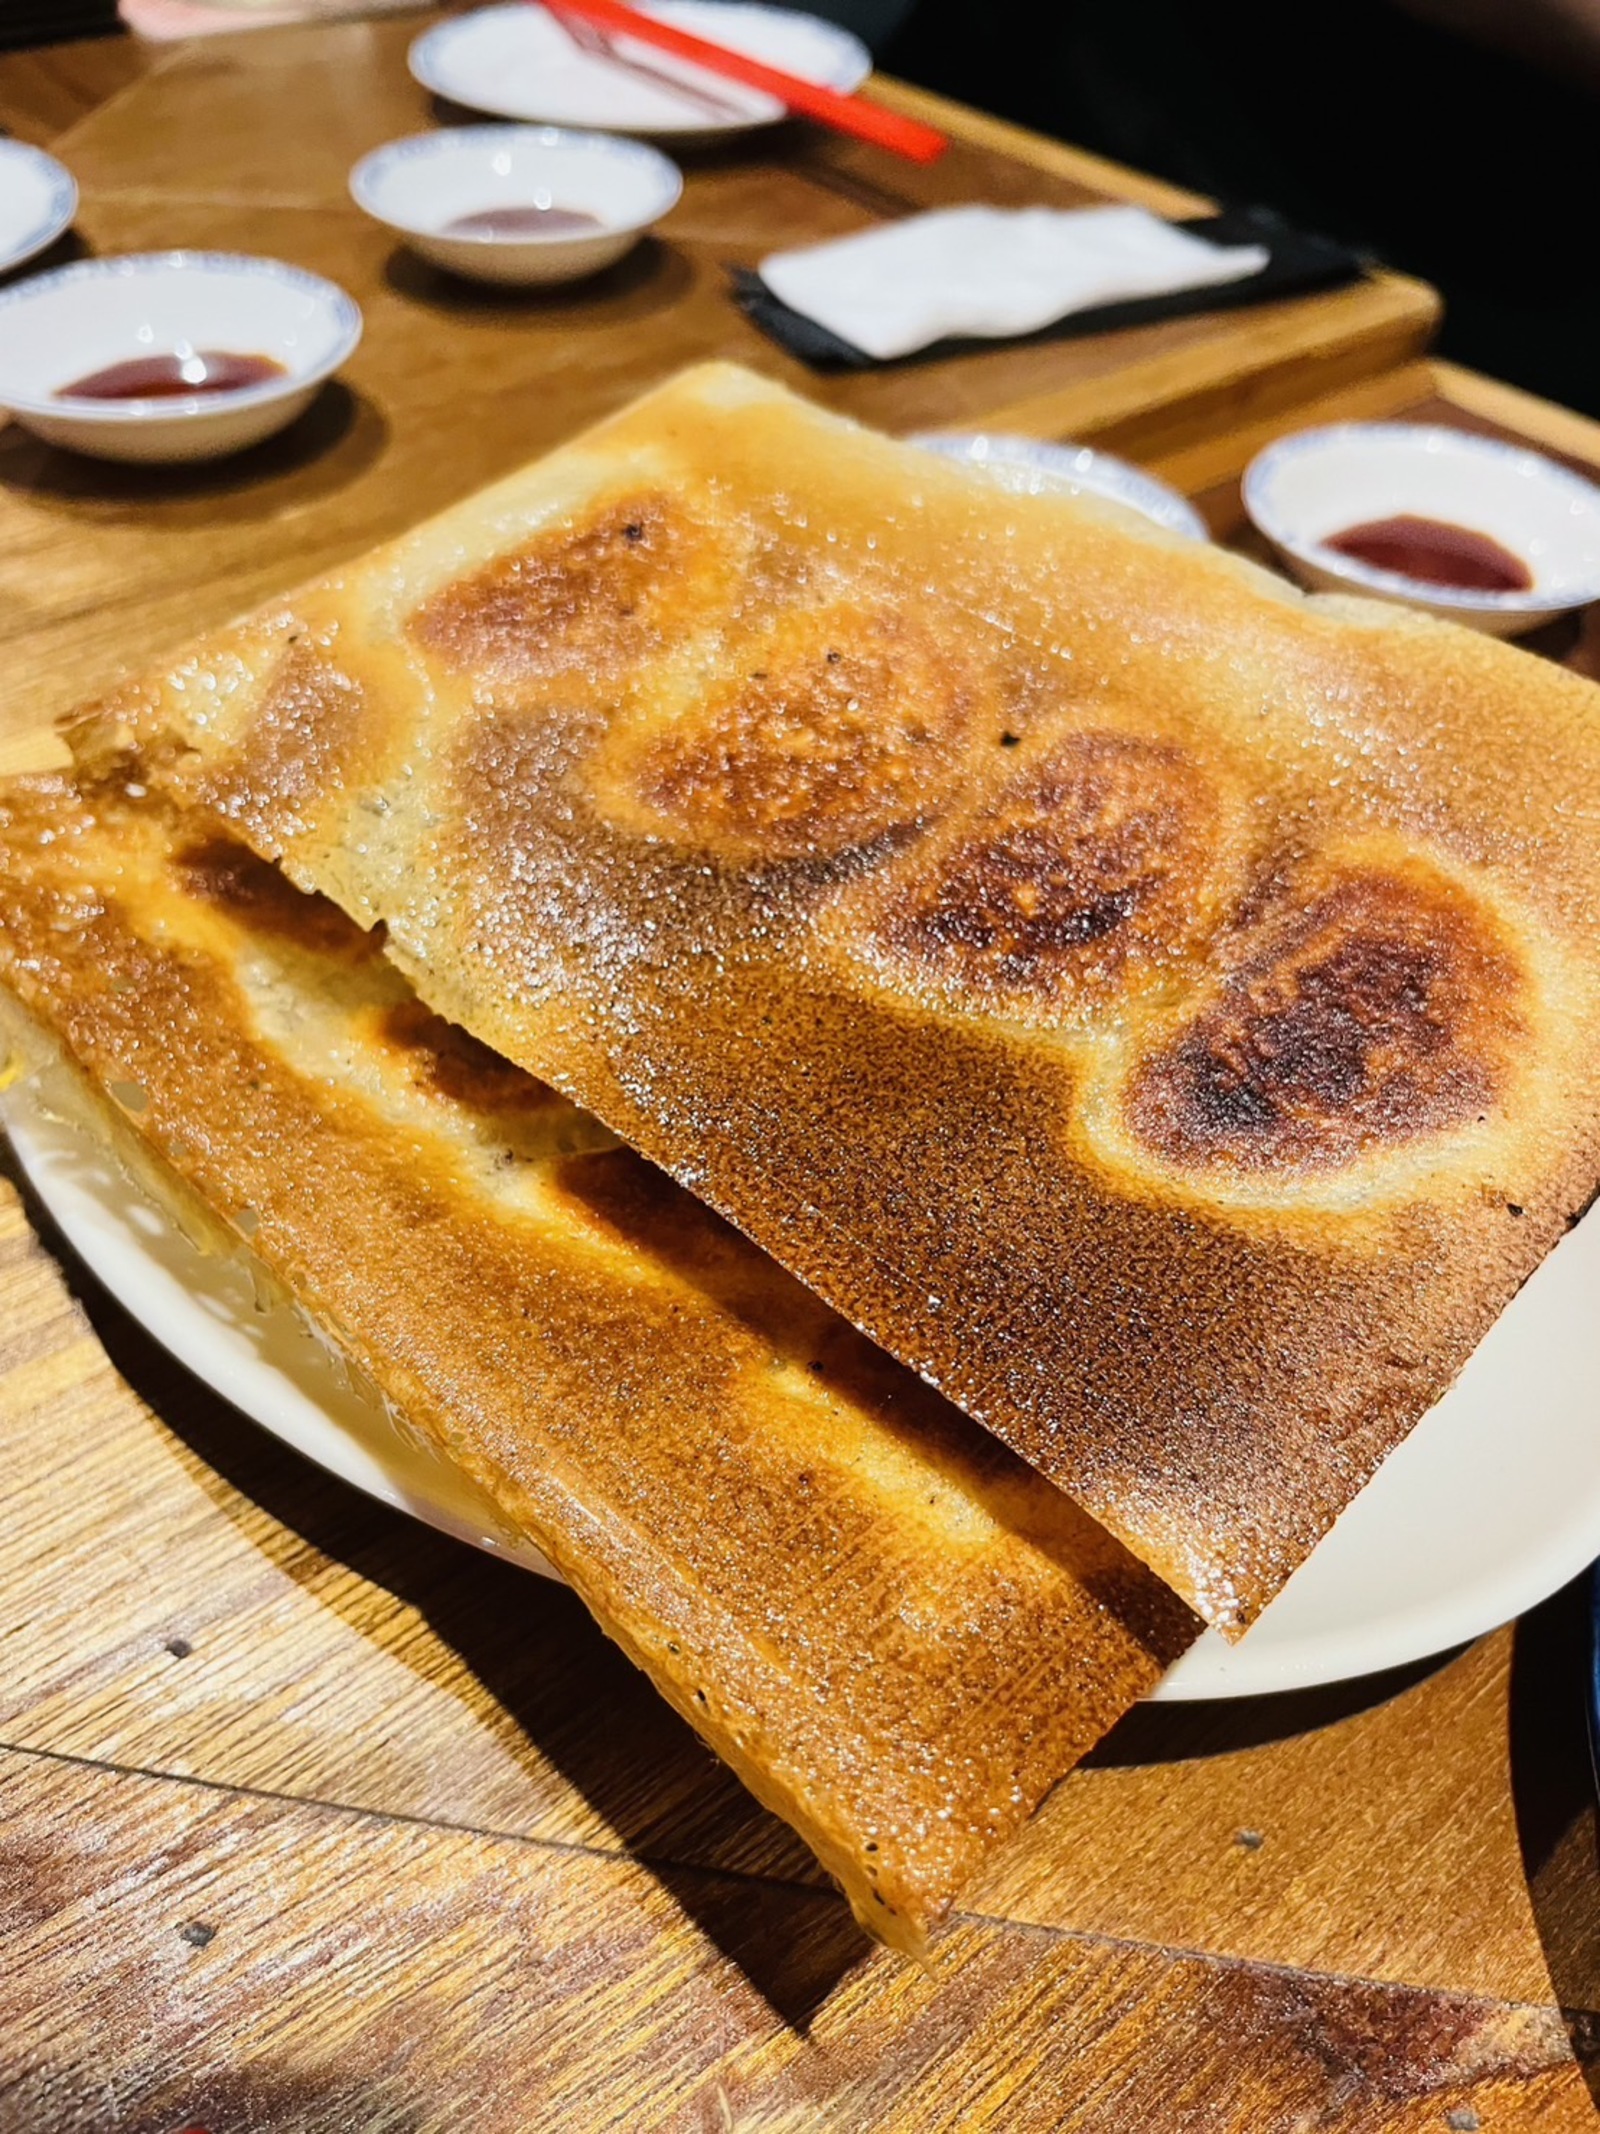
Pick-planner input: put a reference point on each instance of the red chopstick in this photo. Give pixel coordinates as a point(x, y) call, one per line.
point(847, 114)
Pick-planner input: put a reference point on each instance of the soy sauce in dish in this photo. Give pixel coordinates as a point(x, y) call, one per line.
point(171, 377)
point(1435, 552)
point(529, 221)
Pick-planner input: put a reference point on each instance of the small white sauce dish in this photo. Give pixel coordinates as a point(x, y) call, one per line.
point(1028, 467)
point(38, 199)
point(420, 185)
point(60, 328)
point(1317, 483)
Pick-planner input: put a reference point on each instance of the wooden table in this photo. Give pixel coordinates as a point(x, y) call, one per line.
point(453, 386)
point(317, 1823)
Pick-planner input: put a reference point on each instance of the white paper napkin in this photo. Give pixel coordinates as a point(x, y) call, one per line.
point(992, 272)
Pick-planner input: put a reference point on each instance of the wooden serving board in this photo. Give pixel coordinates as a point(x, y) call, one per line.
point(102, 570)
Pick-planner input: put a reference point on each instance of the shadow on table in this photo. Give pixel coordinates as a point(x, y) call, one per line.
point(650, 277)
point(338, 437)
point(568, 1698)
point(1553, 1792)
point(67, 250)
point(1175, 1733)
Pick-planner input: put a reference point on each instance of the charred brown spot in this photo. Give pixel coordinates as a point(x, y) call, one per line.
point(305, 730)
point(847, 729)
point(575, 599)
point(251, 890)
point(449, 1063)
point(1100, 851)
point(1383, 1011)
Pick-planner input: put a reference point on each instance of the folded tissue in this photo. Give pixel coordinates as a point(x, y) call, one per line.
point(992, 272)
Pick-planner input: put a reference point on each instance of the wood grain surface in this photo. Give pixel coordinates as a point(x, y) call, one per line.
point(102, 569)
point(315, 1822)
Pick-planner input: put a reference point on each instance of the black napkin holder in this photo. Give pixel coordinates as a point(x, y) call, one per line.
point(1298, 261)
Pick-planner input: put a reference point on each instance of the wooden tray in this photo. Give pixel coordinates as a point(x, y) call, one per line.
point(315, 1821)
point(1209, 470)
point(102, 570)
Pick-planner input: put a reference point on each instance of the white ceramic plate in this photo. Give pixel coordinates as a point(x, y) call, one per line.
point(1491, 1504)
point(517, 62)
point(38, 200)
point(203, 1308)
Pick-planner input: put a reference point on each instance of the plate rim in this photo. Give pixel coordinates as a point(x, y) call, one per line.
point(101, 1248)
point(421, 53)
point(59, 215)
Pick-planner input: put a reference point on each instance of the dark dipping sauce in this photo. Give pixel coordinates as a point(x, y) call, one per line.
point(209, 370)
point(523, 222)
point(1435, 552)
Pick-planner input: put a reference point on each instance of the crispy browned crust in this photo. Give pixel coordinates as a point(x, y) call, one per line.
point(894, 1631)
point(1161, 1008)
